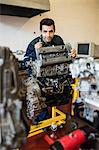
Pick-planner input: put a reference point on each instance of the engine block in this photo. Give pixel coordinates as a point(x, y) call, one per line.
point(51, 73)
point(12, 129)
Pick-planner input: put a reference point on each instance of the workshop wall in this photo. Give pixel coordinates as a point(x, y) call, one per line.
point(76, 20)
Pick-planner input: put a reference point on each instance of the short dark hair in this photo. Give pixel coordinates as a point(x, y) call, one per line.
point(48, 22)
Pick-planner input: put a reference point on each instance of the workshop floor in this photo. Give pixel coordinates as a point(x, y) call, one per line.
point(38, 142)
point(35, 143)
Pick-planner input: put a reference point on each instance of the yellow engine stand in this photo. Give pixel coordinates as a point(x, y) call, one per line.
point(58, 118)
point(75, 93)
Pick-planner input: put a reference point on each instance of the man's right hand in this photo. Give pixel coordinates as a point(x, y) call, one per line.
point(38, 45)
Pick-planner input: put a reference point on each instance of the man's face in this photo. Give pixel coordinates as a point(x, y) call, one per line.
point(47, 33)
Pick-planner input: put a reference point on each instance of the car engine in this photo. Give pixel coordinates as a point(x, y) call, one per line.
point(87, 104)
point(49, 79)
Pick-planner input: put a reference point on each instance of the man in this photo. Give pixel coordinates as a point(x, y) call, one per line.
point(47, 38)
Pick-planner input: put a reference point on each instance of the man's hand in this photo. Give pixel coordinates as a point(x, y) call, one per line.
point(73, 53)
point(38, 45)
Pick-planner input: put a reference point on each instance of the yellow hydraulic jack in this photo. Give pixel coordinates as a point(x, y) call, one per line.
point(57, 119)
